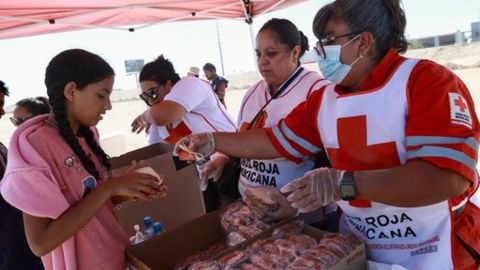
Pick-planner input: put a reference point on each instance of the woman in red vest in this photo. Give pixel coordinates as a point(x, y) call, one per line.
point(402, 136)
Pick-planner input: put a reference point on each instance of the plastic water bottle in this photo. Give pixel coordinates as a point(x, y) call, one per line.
point(138, 234)
point(148, 231)
point(158, 228)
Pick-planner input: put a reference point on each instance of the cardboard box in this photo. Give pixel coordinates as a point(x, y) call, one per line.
point(184, 201)
point(164, 251)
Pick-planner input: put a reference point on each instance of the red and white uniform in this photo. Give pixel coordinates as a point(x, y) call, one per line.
point(204, 111)
point(275, 172)
point(407, 109)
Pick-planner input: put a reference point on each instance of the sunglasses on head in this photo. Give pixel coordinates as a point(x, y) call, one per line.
point(150, 95)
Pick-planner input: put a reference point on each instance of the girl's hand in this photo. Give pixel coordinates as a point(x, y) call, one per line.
point(315, 189)
point(135, 185)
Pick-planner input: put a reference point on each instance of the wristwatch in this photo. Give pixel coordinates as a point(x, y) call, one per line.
point(347, 187)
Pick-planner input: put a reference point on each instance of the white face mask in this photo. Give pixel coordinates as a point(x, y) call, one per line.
point(331, 67)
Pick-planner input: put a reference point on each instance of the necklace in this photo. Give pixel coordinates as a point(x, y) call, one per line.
point(51, 123)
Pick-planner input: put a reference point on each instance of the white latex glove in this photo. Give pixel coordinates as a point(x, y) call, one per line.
point(214, 167)
point(210, 167)
point(141, 122)
point(285, 210)
point(197, 146)
point(267, 203)
point(315, 189)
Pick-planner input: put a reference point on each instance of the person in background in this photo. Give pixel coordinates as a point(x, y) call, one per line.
point(194, 72)
point(285, 84)
point(58, 175)
point(3, 92)
point(219, 84)
point(3, 150)
point(401, 134)
point(153, 134)
point(28, 108)
point(14, 250)
point(178, 107)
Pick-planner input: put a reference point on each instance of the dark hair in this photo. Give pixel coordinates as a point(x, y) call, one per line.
point(209, 67)
point(4, 88)
point(83, 68)
point(35, 106)
point(385, 19)
point(161, 70)
point(287, 33)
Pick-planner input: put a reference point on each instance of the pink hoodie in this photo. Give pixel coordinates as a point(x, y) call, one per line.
point(44, 178)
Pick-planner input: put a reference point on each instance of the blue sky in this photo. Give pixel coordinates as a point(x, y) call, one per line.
point(23, 60)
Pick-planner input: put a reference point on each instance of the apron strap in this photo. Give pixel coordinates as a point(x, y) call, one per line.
point(471, 251)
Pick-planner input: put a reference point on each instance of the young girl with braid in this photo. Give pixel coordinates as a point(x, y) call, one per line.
point(58, 175)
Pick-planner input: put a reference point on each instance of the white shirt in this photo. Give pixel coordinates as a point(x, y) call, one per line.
point(280, 171)
point(204, 111)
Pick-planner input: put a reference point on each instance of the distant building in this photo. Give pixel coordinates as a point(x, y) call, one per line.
point(442, 40)
point(456, 38)
point(475, 31)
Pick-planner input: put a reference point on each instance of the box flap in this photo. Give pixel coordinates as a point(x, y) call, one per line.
point(164, 251)
point(141, 153)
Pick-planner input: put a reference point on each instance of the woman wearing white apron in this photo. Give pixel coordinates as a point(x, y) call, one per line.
point(401, 134)
point(285, 84)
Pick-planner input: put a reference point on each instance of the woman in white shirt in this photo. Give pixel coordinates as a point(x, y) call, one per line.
point(179, 107)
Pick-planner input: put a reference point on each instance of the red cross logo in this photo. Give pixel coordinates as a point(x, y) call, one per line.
point(177, 133)
point(355, 154)
point(459, 102)
point(259, 122)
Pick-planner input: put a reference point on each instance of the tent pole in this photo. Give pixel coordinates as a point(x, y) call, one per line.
point(247, 8)
point(220, 49)
point(252, 39)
